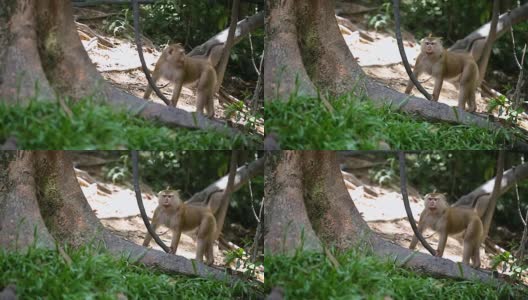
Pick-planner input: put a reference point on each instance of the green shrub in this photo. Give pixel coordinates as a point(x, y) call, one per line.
point(309, 275)
point(45, 125)
point(305, 123)
point(94, 274)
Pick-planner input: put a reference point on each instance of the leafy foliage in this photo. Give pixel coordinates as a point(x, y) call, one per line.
point(94, 274)
point(45, 125)
point(505, 109)
point(307, 275)
point(510, 264)
point(187, 21)
point(304, 123)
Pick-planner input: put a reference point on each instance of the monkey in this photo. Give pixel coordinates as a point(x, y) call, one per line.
point(181, 69)
point(173, 213)
point(442, 64)
point(447, 220)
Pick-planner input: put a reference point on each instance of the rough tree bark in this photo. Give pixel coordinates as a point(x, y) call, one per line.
point(40, 193)
point(42, 58)
point(307, 204)
point(305, 52)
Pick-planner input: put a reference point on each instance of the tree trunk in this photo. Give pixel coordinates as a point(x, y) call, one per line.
point(41, 202)
point(308, 205)
point(43, 58)
point(306, 53)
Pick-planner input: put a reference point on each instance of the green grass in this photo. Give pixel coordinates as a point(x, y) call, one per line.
point(40, 273)
point(304, 123)
point(44, 125)
point(309, 275)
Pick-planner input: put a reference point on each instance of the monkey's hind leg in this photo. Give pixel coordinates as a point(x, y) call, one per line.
point(462, 97)
point(176, 93)
point(209, 255)
point(200, 249)
point(468, 251)
point(201, 102)
point(476, 258)
point(209, 108)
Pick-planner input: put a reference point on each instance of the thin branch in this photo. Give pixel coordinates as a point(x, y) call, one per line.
point(257, 70)
point(405, 197)
point(402, 51)
point(258, 233)
point(486, 220)
point(224, 202)
point(135, 8)
point(518, 199)
point(135, 175)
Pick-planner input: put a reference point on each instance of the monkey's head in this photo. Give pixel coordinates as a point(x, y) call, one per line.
point(432, 45)
point(435, 201)
point(174, 53)
point(169, 198)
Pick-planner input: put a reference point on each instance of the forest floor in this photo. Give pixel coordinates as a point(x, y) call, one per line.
point(382, 207)
point(116, 207)
point(378, 55)
point(117, 59)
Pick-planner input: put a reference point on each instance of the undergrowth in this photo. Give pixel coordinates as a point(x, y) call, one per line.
point(93, 274)
point(356, 124)
point(308, 275)
point(45, 125)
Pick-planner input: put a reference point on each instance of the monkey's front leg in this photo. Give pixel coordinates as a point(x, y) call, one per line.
point(439, 80)
point(155, 77)
point(417, 71)
point(442, 242)
point(421, 225)
point(154, 225)
point(176, 234)
point(176, 93)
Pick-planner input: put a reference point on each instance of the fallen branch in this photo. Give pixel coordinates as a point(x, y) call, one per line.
point(243, 174)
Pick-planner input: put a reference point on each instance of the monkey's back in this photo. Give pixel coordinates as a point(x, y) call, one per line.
point(196, 67)
point(197, 215)
point(456, 62)
point(460, 218)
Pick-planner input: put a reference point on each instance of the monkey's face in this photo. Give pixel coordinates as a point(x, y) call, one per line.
point(175, 53)
point(431, 45)
point(434, 201)
point(168, 199)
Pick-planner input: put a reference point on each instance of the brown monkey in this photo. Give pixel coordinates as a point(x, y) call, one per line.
point(451, 220)
point(181, 69)
point(442, 64)
point(173, 213)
